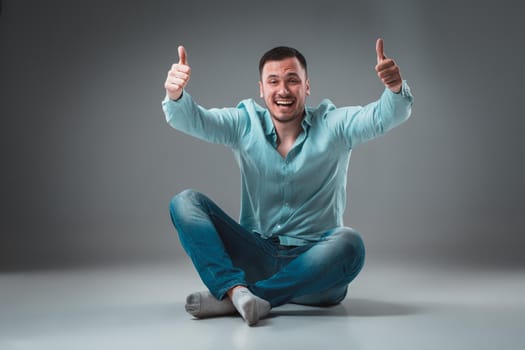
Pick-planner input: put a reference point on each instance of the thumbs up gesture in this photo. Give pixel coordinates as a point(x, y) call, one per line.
point(387, 70)
point(178, 76)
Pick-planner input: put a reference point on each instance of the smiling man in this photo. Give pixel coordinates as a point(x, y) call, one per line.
point(290, 244)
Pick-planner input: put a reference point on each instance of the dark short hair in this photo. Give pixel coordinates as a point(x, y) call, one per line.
point(280, 53)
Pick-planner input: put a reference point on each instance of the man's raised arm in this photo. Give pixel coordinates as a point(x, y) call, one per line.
point(360, 124)
point(216, 125)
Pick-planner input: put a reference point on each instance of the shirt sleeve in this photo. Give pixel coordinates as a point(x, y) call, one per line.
point(216, 125)
point(363, 123)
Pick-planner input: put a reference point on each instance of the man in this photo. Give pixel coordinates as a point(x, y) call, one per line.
point(291, 244)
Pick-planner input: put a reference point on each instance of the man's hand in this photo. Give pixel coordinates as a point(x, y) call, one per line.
point(178, 76)
point(387, 70)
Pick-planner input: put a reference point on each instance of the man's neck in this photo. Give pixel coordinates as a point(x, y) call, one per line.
point(287, 133)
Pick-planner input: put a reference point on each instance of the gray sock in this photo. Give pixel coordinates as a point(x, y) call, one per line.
point(251, 307)
point(203, 304)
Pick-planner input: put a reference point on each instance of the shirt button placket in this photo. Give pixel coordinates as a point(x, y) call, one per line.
point(285, 213)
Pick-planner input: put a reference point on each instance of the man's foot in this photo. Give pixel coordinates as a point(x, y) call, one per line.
point(203, 304)
point(251, 307)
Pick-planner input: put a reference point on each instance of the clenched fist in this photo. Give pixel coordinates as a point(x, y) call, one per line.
point(387, 70)
point(178, 76)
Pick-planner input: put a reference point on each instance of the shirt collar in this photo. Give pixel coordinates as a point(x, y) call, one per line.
point(307, 120)
point(269, 128)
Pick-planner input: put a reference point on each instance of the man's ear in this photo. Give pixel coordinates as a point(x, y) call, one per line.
point(307, 87)
point(260, 90)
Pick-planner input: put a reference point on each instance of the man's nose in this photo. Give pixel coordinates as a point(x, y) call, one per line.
point(283, 89)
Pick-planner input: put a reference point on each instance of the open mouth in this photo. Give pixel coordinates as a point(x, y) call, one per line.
point(284, 102)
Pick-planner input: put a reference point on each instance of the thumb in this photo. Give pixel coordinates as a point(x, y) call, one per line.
point(379, 50)
point(182, 55)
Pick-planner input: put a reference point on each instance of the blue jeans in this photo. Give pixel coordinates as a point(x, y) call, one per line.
point(226, 255)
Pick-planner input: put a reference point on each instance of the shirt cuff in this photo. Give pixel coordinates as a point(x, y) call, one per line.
point(404, 93)
point(167, 99)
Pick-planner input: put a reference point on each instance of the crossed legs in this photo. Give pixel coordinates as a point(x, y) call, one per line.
point(230, 259)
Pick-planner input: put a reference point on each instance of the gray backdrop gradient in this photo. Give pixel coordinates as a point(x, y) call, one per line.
point(89, 164)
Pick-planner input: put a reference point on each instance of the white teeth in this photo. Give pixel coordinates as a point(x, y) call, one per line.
point(284, 102)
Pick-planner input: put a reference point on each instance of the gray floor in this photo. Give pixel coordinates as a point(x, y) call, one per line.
point(391, 306)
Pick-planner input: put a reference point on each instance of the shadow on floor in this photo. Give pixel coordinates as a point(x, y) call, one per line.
point(71, 318)
point(351, 308)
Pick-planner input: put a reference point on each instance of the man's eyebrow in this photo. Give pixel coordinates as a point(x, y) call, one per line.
point(286, 75)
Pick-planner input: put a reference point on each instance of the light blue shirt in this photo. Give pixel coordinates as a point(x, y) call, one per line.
point(300, 197)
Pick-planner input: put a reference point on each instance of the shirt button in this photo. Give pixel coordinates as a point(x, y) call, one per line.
point(278, 226)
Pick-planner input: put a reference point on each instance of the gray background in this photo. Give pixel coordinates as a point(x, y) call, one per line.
point(89, 164)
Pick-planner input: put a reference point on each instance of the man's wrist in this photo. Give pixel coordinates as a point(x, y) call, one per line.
point(175, 99)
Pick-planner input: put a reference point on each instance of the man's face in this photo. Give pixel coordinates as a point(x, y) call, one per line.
point(284, 88)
